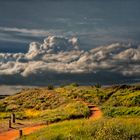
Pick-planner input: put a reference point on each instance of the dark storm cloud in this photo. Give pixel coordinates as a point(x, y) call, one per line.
point(60, 58)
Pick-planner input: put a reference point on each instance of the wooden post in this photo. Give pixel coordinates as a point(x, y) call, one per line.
point(13, 119)
point(20, 133)
point(10, 123)
point(47, 122)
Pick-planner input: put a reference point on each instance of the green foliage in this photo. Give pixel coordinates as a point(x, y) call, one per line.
point(98, 85)
point(74, 84)
point(88, 94)
point(2, 106)
point(105, 129)
point(125, 97)
point(70, 111)
point(3, 96)
point(122, 99)
point(38, 99)
point(50, 87)
point(66, 103)
point(121, 111)
point(115, 101)
point(4, 115)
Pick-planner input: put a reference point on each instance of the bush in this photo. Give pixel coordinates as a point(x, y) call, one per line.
point(74, 84)
point(50, 87)
point(121, 111)
point(98, 85)
point(72, 110)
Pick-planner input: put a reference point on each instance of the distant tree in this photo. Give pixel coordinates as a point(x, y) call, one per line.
point(50, 87)
point(74, 84)
point(98, 85)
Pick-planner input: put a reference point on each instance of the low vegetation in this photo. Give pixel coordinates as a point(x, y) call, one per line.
point(38, 99)
point(42, 105)
point(104, 129)
point(120, 106)
point(115, 101)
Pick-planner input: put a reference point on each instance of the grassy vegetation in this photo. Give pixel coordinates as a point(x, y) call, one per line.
point(3, 96)
point(69, 111)
point(88, 94)
point(38, 99)
point(120, 106)
point(121, 111)
point(114, 101)
point(105, 129)
point(128, 97)
point(42, 105)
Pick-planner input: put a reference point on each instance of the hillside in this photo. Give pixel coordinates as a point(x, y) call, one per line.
point(41, 105)
point(121, 103)
point(38, 99)
point(123, 99)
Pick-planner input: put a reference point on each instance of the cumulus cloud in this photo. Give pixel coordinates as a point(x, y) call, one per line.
point(60, 55)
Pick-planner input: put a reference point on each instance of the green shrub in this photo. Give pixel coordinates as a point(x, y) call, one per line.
point(70, 111)
point(121, 111)
point(74, 84)
point(50, 87)
point(98, 85)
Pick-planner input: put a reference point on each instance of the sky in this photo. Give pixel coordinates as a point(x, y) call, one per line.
point(82, 41)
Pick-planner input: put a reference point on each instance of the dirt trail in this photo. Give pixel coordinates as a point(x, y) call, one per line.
point(14, 133)
point(96, 113)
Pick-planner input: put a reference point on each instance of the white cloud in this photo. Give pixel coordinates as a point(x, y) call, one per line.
point(62, 55)
point(24, 31)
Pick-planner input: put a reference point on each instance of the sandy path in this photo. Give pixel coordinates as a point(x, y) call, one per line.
point(13, 134)
point(95, 111)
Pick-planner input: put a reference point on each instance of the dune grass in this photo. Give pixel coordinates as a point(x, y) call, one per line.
point(114, 101)
point(41, 106)
point(70, 110)
point(104, 129)
point(29, 104)
point(121, 111)
point(120, 103)
point(38, 99)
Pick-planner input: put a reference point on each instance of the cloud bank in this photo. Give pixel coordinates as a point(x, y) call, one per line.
point(59, 58)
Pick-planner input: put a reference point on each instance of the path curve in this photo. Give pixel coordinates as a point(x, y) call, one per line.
point(95, 111)
point(95, 114)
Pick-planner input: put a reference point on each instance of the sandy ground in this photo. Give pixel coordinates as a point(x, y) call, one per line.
point(96, 113)
point(13, 134)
